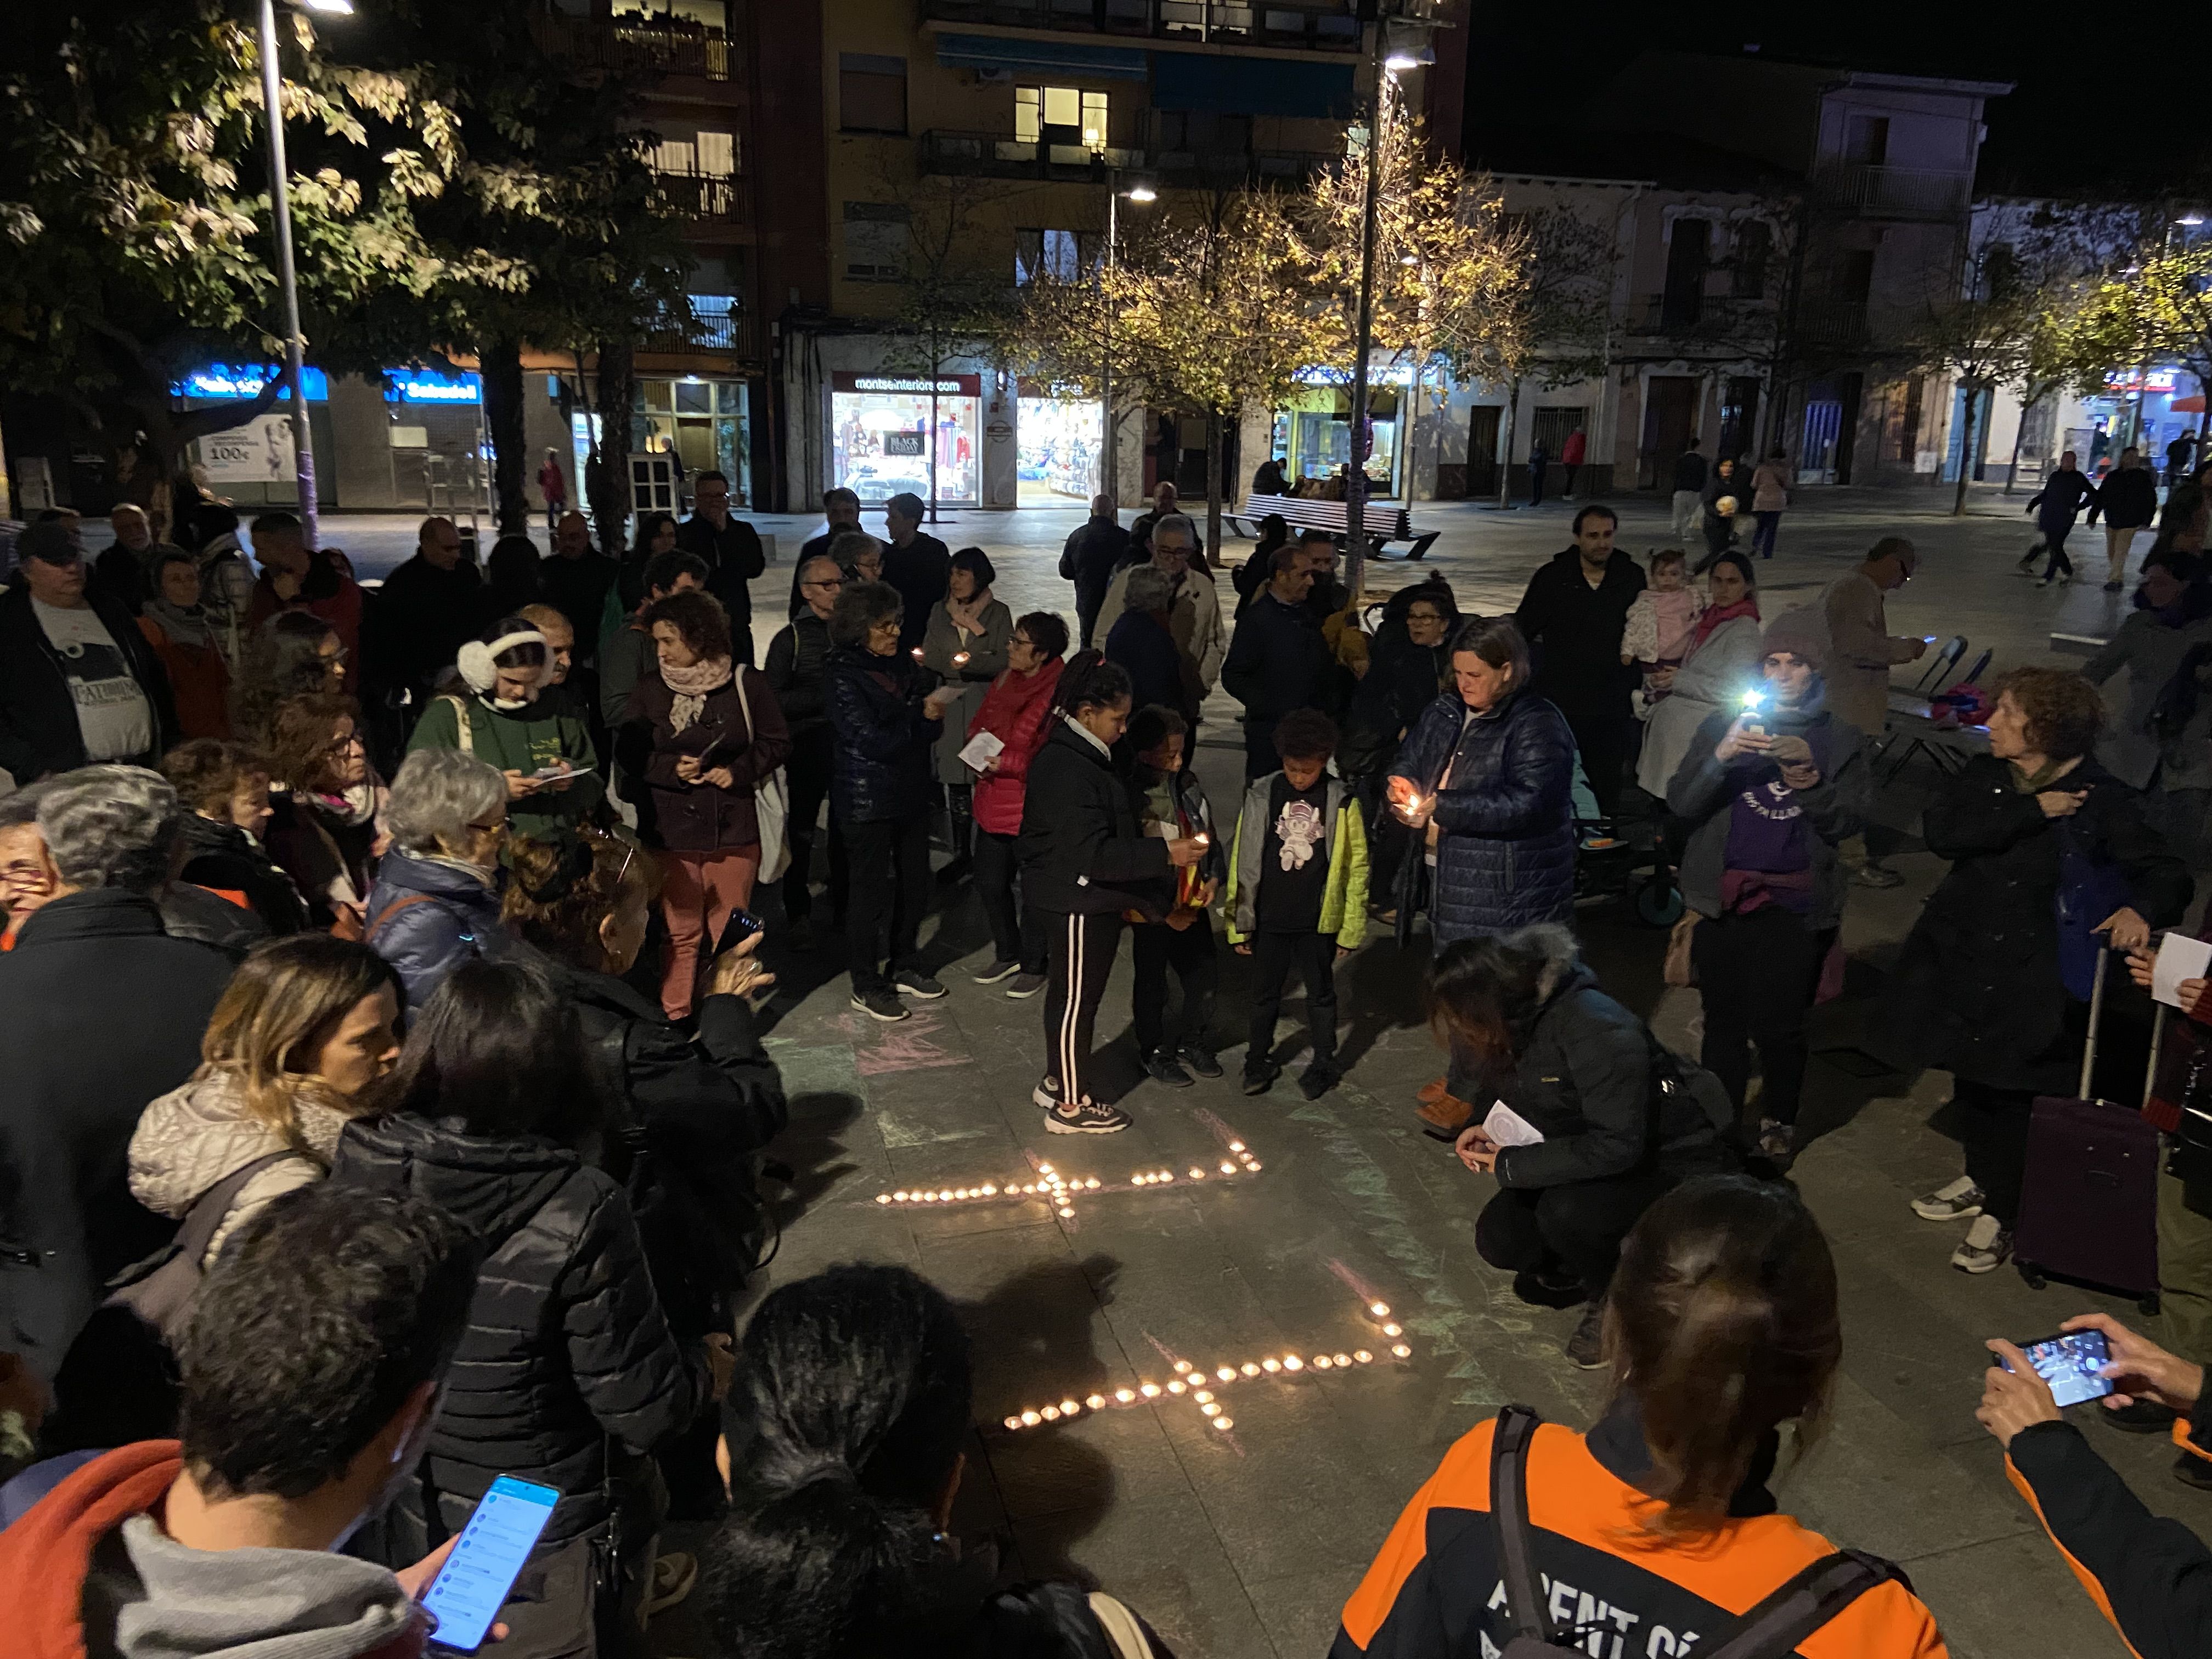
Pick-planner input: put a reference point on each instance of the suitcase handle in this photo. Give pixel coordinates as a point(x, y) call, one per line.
point(2096, 1019)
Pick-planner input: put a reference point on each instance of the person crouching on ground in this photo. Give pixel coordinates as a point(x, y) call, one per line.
point(1298, 894)
point(1586, 1075)
point(1767, 795)
point(1171, 804)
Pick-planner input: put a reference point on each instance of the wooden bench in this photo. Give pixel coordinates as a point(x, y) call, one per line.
point(1383, 523)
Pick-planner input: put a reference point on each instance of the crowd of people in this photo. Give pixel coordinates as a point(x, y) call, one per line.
point(431, 1150)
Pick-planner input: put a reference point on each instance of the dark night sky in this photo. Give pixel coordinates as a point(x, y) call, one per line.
point(2108, 102)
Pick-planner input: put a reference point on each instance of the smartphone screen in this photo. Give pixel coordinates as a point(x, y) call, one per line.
point(2069, 1363)
point(469, 1588)
point(741, 925)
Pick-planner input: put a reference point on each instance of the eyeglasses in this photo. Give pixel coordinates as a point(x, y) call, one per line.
point(338, 655)
point(494, 829)
point(341, 745)
point(825, 582)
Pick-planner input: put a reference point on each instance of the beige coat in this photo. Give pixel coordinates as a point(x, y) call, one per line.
point(194, 1136)
point(1195, 621)
point(1861, 652)
point(1770, 486)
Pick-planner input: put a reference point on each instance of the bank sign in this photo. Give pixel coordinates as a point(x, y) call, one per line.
point(237, 382)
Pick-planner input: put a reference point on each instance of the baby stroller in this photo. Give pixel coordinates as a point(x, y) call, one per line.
point(1625, 860)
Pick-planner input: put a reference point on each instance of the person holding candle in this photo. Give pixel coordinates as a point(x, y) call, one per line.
point(965, 647)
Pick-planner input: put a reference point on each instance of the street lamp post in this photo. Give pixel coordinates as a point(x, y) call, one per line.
point(280, 200)
point(1109, 472)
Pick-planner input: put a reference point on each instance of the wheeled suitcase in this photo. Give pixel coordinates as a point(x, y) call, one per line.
point(2089, 1208)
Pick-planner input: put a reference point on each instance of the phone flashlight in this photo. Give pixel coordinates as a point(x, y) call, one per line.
point(1753, 702)
point(917, 653)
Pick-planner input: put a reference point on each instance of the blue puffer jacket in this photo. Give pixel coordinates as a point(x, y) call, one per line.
point(458, 921)
point(1505, 857)
point(880, 767)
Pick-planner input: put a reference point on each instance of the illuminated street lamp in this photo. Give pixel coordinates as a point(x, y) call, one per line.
point(1109, 472)
point(280, 199)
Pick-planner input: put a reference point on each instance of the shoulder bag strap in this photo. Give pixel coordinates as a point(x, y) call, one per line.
point(464, 734)
point(376, 923)
point(1774, 1628)
point(204, 1219)
point(1509, 1440)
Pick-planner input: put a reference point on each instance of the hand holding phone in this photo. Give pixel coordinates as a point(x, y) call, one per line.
point(481, 1568)
point(742, 926)
point(2072, 1363)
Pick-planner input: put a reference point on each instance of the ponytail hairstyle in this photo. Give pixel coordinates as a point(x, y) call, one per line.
point(857, 1383)
point(1722, 1322)
point(1090, 681)
point(560, 891)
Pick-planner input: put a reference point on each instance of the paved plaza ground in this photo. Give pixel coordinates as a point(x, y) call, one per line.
point(1244, 1543)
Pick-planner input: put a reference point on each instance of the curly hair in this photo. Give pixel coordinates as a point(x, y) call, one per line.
point(2063, 710)
point(283, 659)
point(207, 772)
point(562, 890)
point(859, 607)
point(299, 747)
point(699, 621)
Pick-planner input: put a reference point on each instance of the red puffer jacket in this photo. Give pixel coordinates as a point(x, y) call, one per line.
point(1015, 711)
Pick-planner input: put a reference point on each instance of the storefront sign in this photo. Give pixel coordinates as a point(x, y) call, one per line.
point(260, 452)
point(228, 382)
point(945, 386)
point(427, 385)
point(2130, 380)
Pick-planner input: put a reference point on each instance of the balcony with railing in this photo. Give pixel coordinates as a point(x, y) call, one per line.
point(1831, 325)
point(1314, 25)
point(638, 45)
point(994, 155)
point(1881, 192)
point(715, 324)
point(704, 197)
point(1718, 318)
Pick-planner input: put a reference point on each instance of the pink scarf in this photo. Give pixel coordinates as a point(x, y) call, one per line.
point(966, 614)
point(692, 687)
point(1713, 616)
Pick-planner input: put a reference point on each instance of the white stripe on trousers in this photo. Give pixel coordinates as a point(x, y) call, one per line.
point(1071, 1016)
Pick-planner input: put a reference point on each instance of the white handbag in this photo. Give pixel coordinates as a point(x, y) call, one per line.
point(771, 801)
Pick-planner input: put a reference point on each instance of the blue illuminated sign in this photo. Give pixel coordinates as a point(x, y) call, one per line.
point(236, 382)
point(427, 385)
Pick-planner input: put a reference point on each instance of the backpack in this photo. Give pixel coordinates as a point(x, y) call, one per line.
point(159, 1289)
point(1770, 1629)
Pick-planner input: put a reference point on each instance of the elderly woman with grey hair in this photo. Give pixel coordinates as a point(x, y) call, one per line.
point(1142, 642)
point(435, 904)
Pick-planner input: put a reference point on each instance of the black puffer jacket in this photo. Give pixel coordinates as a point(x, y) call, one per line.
point(1588, 1075)
point(799, 673)
point(882, 771)
point(567, 1348)
point(1082, 849)
point(695, 1113)
point(1278, 661)
point(224, 857)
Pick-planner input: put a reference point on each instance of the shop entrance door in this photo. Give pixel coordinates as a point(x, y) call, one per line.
point(1670, 428)
point(1482, 451)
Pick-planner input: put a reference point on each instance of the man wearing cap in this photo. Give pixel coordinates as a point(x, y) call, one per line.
point(919, 566)
point(1861, 652)
point(78, 681)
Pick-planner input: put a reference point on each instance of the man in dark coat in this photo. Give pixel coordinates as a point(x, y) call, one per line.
point(577, 579)
point(426, 610)
point(105, 1012)
point(78, 681)
point(840, 511)
point(1278, 661)
point(919, 566)
point(1572, 616)
point(2128, 499)
point(1096, 549)
point(799, 674)
point(2056, 505)
point(1140, 643)
point(732, 551)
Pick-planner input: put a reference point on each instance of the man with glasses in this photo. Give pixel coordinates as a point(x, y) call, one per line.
point(1194, 619)
point(78, 681)
point(731, 549)
point(1860, 652)
point(798, 671)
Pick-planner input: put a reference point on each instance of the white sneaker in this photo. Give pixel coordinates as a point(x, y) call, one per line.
point(1987, 1247)
point(1955, 1202)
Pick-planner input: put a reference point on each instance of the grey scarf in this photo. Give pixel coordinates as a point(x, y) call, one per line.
point(181, 626)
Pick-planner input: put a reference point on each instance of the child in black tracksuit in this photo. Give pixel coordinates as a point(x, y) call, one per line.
point(1084, 861)
point(1298, 894)
point(1170, 804)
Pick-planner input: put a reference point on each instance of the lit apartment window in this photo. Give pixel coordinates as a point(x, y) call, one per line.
point(718, 154)
point(1063, 255)
point(1059, 115)
point(871, 93)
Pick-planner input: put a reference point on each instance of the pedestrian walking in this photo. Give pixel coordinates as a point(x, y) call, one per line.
point(1860, 652)
point(1085, 862)
point(886, 722)
point(2161, 741)
point(1018, 714)
point(2065, 494)
point(799, 676)
point(553, 489)
point(1540, 462)
point(1765, 796)
point(1279, 660)
point(1770, 495)
point(732, 552)
point(1171, 804)
point(1718, 505)
point(1572, 616)
point(1571, 458)
point(1297, 895)
point(919, 567)
point(965, 647)
point(2128, 499)
point(717, 735)
point(1093, 552)
point(1690, 471)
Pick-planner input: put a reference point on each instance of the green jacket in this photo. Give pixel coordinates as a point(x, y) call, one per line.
point(1344, 901)
point(525, 741)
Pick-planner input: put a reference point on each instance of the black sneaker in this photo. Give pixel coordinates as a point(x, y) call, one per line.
point(1258, 1079)
point(2111, 588)
point(2191, 1470)
point(1162, 1069)
point(1542, 1290)
point(995, 972)
point(912, 981)
point(1201, 1061)
point(1586, 1347)
point(1086, 1117)
point(1025, 986)
point(880, 1004)
point(1047, 1093)
point(1318, 1079)
point(2140, 1417)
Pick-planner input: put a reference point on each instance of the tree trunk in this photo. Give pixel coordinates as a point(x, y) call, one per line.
point(1213, 489)
point(1966, 452)
point(502, 369)
point(2019, 432)
point(606, 479)
point(1505, 461)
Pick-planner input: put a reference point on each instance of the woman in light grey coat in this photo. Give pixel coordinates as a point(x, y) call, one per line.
point(1723, 661)
point(2169, 759)
point(965, 647)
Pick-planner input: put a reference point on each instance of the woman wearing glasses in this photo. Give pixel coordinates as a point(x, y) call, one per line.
point(435, 904)
point(326, 797)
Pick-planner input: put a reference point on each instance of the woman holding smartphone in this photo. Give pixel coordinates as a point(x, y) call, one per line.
point(717, 734)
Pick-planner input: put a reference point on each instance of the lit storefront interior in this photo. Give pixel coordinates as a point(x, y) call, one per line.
point(1312, 434)
point(705, 424)
point(880, 435)
point(1059, 445)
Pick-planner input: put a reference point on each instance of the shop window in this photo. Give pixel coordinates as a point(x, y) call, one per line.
point(875, 241)
point(871, 93)
point(1866, 140)
point(1060, 115)
point(1063, 255)
point(1755, 247)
